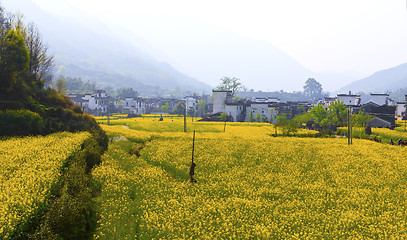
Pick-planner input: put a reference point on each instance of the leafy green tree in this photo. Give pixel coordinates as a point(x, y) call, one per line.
point(300, 119)
point(14, 59)
point(77, 86)
point(201, 108)
point(231, 84)
point(289, 127)
point(60, 86)
point(126, 92)
point(312, 88)
point(318, 113)
point(338, 114)
point(281, 121)
point(251, 118)
point(165, 107)
point(223, 117)
point(179, 108)
point(361, 119)
point(258, 117)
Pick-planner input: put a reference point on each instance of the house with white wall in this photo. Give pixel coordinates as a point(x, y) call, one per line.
point(381, 99)
point(400, 110)
point(220, 99)
point(97, 103)
point(349, 99)
point(236, 111)
point(135, 105)
point(191, 103)
point(264, 110)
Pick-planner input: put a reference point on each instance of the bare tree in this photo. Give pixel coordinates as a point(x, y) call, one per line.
point(41, 64)
point(231, 84)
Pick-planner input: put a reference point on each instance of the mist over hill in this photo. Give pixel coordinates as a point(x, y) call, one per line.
point(388, 80)
point(98, 55)
point(209, 52)
point(182, 55)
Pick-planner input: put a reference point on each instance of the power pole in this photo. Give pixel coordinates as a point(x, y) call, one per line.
point(108, 118)
point(185, 120)
point(349, 126)
point(193, 165)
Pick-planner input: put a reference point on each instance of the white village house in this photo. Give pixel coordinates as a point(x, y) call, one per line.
point(349, 99)
point(135, 105)
point(222, 103)
point(98, 103)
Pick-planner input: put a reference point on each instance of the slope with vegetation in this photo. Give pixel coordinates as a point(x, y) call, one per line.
point(46, 182)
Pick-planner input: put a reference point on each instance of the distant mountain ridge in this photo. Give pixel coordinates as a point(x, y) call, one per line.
point(382, 81)
point(201, 54)
point(102, 57)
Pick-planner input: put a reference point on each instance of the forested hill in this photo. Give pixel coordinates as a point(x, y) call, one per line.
point(96, 54)
point(388, 80)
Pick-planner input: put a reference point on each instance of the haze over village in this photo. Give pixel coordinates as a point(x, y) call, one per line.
point(158, 58)
point(182, 46)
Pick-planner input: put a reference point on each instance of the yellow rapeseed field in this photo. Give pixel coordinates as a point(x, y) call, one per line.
point(29, 167)
point(250, 185)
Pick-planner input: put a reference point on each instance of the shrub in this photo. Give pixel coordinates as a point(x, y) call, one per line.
point(20, 123)
point(135, 149)
point(72, 215)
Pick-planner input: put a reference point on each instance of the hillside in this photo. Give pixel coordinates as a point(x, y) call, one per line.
point(87, 49)
point(209, 53)
point(386, 80)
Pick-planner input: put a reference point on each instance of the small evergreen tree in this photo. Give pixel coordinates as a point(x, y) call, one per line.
point(251, 118)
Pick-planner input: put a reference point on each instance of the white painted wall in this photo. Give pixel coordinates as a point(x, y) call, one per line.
point(382, 99)
point(219, 101)
point(235, 111)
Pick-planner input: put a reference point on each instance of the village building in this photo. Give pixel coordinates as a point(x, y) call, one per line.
point(222, 103)
point(191, 104)
point(382, 115)
point(235, 111)
point(327, 101)
point(97, 104)
point(79, 100)
point(381, 99)
point(265, 111)
point(264, 108)
point(135, 105)
point(220, 99)
point(401, 110)
point(350, 99)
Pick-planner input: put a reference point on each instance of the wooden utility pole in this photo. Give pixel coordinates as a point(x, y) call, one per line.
point(349, 126)
point(185, 120)
point(193, 147)
point(405, 116)
point(193, 165)
point(108, 118)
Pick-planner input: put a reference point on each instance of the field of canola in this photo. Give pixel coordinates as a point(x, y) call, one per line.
point(250, 185)
point(29, 167)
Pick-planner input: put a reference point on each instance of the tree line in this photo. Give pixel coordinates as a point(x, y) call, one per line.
point(29, 105)
point(325, 120)
point(25, 65)
point(312, 88)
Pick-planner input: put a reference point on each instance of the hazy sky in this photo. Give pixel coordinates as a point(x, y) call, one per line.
point(351, 37)
point(348, 35)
